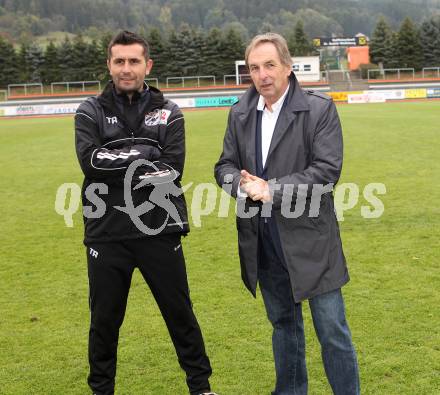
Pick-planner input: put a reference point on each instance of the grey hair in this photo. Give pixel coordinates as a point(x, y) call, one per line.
point(277, 40)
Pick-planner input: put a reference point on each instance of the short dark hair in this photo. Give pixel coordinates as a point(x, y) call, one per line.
point(127, 38)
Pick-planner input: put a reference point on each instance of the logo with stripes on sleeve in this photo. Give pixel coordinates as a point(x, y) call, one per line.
point(157, 117)
point(105, 154)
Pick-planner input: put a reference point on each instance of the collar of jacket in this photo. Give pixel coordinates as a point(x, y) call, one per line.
point(295, 99)
point(107, 99)
point(123, 99)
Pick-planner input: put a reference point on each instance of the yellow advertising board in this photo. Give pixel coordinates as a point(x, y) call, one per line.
point(317, 42)
point(342, 96)
point(415, 94)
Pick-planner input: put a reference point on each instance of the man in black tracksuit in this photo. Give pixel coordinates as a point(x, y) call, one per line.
point(128, 122)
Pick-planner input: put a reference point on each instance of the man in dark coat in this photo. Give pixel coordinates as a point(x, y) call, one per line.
point(281, 156)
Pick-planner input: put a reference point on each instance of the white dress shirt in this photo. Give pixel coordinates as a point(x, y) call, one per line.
point(268, 122)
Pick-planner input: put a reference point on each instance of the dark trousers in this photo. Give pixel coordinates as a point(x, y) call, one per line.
point(161, 262)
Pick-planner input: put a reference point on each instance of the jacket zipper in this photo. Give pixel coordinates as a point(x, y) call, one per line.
point(132, 138)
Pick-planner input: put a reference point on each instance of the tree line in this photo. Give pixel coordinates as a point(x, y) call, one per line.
point(25, 19)
point(410, 46)
point(183, 52)
point(189, 51)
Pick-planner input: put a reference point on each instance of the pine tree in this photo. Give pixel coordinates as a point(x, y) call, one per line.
point(80, 60)
point(65, 54)
point(232, 49)
point(95, 69)
point(392, 58)
point(436, 23)
point(104, 75)
point(188, 53)
point(290, 38)
point(8, 61)
point(23, 66)
point(198, 45)
point(430, 42)
point(50, 71)
point(182, 53)
point(301, 45)
point(266, 27)
point(175, 55)
point(158, 52)
point(35, 60)
point(408, 46)
point(212, 54)
point(142, 31)
point(103, 45)
point(380, 42)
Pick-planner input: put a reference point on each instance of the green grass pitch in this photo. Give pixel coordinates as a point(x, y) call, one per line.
point(392, 300)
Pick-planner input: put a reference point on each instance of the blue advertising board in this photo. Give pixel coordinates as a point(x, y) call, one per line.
point(223, 101)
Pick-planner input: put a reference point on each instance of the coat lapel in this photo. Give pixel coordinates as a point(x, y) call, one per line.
point(249, 128)
point(248, 121)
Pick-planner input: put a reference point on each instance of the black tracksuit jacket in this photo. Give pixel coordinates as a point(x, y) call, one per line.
point(111, 133)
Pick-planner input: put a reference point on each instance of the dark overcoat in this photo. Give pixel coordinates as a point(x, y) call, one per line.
point(304, 159)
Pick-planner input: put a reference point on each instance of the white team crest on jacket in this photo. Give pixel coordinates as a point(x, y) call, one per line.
point(157, 117)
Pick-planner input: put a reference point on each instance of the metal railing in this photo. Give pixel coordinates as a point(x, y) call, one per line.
point(329, 76)
point(156, 80)
point(241, 76)
point(231, 76)
point(337, 75)
point(68, 84)
point(195, 77)
point(349, 81)
point(25, 86)
point(238, 78)
point(383, 72)
point(431, 69)
point(323, 76)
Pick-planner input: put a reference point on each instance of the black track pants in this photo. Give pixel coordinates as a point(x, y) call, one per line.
point(160, 260)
